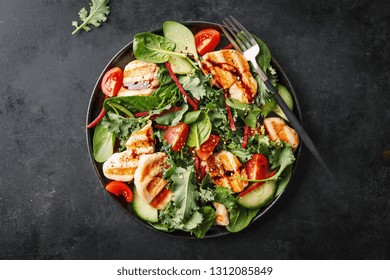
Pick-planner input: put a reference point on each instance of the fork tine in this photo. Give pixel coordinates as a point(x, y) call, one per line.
point(249, 36)
point(237, 40)
point(230, 38)
point(239, 34)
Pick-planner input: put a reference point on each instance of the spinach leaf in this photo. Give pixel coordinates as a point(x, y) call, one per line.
point(199, 131)
point(285, 178)
point(240, 217)
point(172, 118)
point(264, 56)
point(181, 36)
point(102, 143)
point(208, 214)
point(133, 103)
point(192, 117)
point(153, 48)
point(164, 95)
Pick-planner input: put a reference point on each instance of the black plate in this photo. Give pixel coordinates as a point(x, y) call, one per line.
point(123, 57)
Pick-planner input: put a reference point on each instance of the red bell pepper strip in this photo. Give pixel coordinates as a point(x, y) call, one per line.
point(98, 118)
point(189, 100)
point(141, 114)
point(230, 116)
point(197, 168)
point(158, 126)
point(228, 47)
point(246, 134)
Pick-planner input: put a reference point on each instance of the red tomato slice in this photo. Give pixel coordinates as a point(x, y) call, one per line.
point(207, 148)
point(206, 40)
point(177, 136)
point(120, 188)
point(257, 167)
point(112, 81)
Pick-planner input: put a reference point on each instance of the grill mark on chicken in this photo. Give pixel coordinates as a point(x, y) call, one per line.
point(223, 167)
point(122, 166)
point(230, 71)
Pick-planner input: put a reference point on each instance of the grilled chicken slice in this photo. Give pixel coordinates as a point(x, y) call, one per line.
point(277, 129)
point(223, 167)
point(148, 176)
point(142, 141)
point(122, 166)
point(221, 214)
point(230, 71)
point(139, 78)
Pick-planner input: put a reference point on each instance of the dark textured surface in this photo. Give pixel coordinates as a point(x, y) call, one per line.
point(51, 202)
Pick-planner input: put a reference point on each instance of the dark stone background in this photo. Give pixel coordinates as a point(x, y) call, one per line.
point(51, 203)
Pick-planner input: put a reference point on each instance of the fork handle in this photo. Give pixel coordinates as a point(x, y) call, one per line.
point(296, 125)
point(290, 116)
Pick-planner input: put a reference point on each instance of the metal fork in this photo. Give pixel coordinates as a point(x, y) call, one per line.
point(244, 42)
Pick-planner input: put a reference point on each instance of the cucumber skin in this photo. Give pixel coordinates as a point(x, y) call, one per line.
point(143, 209)
point(249, 200)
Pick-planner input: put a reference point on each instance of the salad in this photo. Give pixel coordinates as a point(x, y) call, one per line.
point(189, 135)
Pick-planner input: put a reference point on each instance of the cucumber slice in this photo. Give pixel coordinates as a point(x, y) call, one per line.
point(143, 209)
point(258, 197)
point(286, 96)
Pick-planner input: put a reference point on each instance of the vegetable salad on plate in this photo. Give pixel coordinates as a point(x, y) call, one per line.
point(189, 135)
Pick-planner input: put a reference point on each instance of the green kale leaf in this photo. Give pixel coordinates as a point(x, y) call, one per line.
point(98, 13)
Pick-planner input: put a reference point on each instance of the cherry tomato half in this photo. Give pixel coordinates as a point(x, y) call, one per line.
point(112, 81)
point(257, 167)
point(206, 40)
point(207, 148)
point(120, 188)
point(177, 136)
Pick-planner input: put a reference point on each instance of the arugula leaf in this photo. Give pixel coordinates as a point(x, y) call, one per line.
point(168, 94)
point(199, 131)
point(182, 212)
point(240, 217)
point(281, 158)
point(208, 214)
point(163, 75)
point(194, 85)
point(103, 143)
point(248, 113)
point(98, 13)
point(225, 196)
point(184, 192)
point(259, 144)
